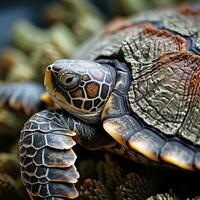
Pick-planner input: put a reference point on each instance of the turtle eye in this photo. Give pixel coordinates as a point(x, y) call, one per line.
point(69, 80)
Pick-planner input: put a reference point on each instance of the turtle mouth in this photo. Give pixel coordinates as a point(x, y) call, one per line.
point(50, 88)
point(48, 78)
point(48, 82)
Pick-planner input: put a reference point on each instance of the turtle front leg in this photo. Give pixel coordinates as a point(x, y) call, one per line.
point(46, 155)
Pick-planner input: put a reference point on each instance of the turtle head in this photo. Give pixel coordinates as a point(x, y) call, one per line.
point(80, 87)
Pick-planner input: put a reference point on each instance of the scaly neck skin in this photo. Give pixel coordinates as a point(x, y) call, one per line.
point(87, 98)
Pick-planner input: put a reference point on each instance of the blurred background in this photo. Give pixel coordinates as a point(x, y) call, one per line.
point(35, 11)
point(32, 35)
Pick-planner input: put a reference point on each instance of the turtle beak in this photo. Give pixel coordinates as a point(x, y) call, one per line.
point(48, 77)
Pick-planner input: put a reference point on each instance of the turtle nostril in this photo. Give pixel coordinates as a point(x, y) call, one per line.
point(49, 68)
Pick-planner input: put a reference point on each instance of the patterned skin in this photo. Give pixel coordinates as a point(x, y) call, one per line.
point(80, 87)
point(141, 87)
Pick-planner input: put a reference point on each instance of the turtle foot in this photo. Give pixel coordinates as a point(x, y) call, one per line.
point(47, 159)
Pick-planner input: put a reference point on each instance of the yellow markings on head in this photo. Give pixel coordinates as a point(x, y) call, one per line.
point(51, 88)
point(45, 97)
point(57, 106)
point(114, 130)
point(107, 107)
point(48, 80)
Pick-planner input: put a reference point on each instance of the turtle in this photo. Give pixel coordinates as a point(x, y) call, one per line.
point(133, 89)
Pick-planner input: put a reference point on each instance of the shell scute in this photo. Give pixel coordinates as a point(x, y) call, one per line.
point(148, 143)
point(155, 93)
point(176, 153)
point(197, 160)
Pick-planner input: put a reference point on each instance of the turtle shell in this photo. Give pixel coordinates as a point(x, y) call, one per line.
point(163, 51)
